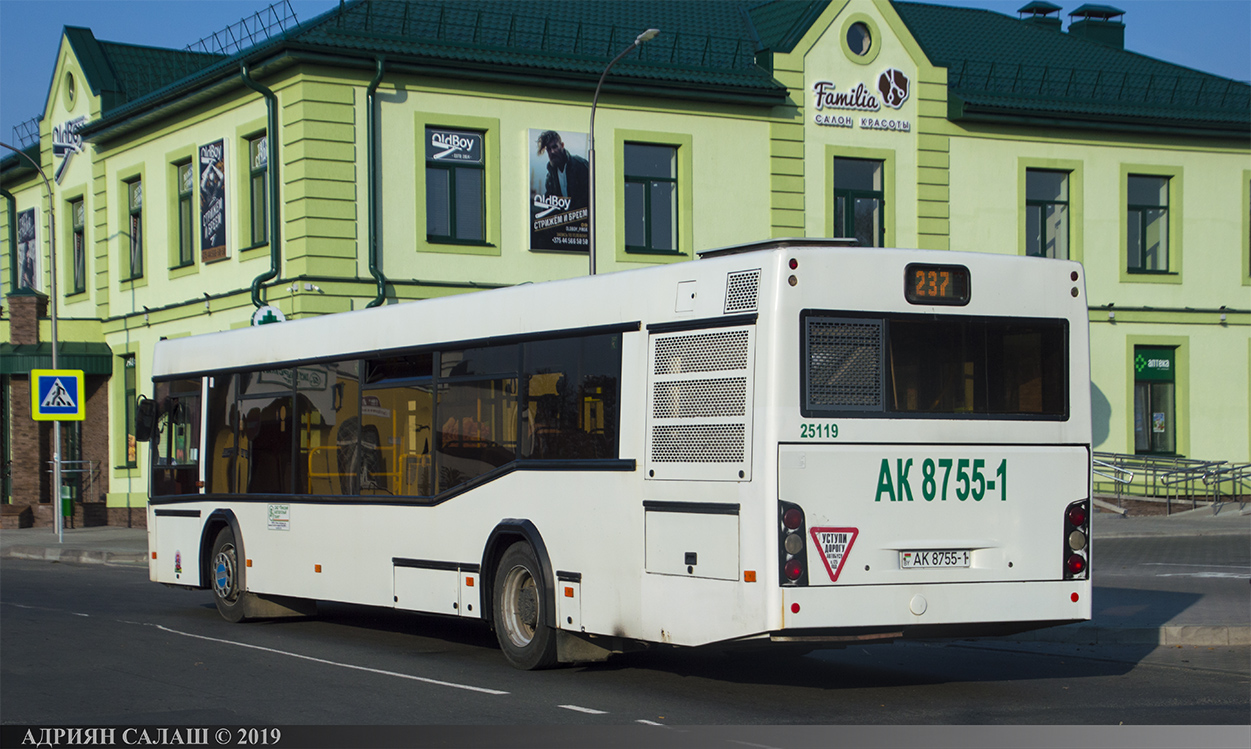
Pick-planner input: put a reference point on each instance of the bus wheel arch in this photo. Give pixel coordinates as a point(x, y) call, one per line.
point(515, 563)
point(218, 520)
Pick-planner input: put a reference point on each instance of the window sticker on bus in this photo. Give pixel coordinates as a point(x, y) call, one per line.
point(835, 546)
point(280, 517)
point(970, 480)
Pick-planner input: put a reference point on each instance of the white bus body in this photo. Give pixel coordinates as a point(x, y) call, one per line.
point(752, 382)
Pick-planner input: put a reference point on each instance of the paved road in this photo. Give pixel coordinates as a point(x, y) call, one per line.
point(95, 644)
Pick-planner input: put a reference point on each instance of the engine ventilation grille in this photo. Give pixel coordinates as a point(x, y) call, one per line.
point(701, 352)
point(741, 288)
point(700, 398)
point(843, 366)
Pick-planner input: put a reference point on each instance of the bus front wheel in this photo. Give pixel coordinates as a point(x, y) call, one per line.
point(527, 639)
point(226, 576)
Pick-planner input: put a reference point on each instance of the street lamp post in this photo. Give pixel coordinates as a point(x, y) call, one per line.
point(56, 425)
point(590, 221)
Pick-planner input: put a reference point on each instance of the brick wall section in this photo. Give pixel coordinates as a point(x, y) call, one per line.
point(24, 313)
point(32, 446)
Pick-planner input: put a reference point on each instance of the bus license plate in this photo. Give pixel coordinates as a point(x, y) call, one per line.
point(930, 559)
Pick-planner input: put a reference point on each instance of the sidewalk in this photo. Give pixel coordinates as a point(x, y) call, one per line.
point(1123, 616)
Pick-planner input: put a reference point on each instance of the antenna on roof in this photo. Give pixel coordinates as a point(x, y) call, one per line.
point(249, 30)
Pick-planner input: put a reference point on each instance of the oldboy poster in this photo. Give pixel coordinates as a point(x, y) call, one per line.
point(213, 202)
point(560, 186)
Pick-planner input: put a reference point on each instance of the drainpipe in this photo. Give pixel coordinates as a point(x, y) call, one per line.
point(11, 204)
point(272, 135)
point(371, 167)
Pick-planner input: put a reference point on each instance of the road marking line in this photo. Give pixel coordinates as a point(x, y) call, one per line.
point(1234, 575)
point(1207, 566)
point(588, 710)
point(334, 663)
point(75, 613)
point(649, 723)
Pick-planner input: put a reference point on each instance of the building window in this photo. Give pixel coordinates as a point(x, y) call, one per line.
point(1155, 428)
point(258, 164)
point(130, 384)
point(186, 180)
point(651, 198)
point(859, 201)
point(78, 220)
point(455, 186)
point(1047, 213)
point(134, 197)
point(1147, 223)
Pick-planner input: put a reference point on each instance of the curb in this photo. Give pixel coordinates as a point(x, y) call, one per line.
point(1196, 634)
point(76, 556)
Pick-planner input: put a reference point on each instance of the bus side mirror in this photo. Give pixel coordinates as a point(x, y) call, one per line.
point(145, 418)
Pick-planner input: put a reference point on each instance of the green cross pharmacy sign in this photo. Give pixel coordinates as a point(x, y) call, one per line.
point(1153, 364)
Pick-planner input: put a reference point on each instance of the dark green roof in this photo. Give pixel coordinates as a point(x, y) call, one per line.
point(122, 73)
point(1003, 69)
point(706, 49)
point(91, 358)
point(13, 167)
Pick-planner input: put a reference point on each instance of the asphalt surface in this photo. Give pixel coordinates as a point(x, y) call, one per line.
point(1176, 593)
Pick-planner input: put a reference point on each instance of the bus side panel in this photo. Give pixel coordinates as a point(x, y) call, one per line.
point(174, 547)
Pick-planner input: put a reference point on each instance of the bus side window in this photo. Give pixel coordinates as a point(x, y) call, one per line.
point(176, 448)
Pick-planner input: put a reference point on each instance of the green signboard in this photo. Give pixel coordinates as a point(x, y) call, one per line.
point(1153, 364)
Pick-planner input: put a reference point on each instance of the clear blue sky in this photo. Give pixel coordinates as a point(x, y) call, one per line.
point(1209, 35)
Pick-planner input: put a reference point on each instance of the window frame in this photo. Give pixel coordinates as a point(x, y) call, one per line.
point(1140, 209)
point(684, 174)
point(134, 229)
point(646, 182)
point(78, 245)
point(851, 195)
point(185, 226)
point(887, 157)
point(452, 168)
point(258, 220)
point(1173, 275)
point(1076, 177)
point(1042, 206)
point(489, 127)
point(130, 393)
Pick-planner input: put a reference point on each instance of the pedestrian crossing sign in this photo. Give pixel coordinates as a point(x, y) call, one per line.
point(57, 395)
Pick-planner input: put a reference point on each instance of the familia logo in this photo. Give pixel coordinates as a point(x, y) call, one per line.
point(892, 85)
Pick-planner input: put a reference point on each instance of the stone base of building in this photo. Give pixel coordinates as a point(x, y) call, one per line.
point(128, 517)
point(86, 515)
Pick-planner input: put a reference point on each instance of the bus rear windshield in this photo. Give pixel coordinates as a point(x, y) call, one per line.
point(921, 365)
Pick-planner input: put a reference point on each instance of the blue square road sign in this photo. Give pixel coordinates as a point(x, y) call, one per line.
point(57, 395)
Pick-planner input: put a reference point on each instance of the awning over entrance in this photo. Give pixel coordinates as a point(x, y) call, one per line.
point(91, 358)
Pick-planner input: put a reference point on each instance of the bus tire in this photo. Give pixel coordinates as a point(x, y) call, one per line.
point(226, 576)
point(528, 642)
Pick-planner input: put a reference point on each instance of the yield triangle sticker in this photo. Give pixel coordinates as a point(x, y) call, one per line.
point(834, 544)
point(58, 397)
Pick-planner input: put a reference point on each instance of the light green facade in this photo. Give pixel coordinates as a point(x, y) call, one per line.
point(745, 172)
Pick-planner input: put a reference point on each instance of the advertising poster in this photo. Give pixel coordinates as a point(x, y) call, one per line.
point(213, 202)
point(560, 185)
point(28, 274)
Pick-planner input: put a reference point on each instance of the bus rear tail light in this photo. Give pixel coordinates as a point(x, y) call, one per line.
point(792, 558)
point(1077, 540)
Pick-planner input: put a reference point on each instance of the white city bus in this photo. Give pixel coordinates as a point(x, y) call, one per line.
point(790, 441)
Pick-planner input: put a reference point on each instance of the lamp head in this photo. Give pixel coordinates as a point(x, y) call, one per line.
point(646, 36)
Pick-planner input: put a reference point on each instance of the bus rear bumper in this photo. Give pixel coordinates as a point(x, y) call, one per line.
point(863, 613)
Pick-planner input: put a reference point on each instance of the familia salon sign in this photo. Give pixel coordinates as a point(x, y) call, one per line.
point(893, 88)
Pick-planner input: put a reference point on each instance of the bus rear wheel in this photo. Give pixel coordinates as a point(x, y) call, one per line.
point(527, 639)
point(227, 576)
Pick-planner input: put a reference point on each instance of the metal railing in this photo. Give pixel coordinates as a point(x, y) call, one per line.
point(1169, 480)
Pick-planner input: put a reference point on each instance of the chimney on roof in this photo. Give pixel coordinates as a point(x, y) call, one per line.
point(1099, 23)
point(1040, 15)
